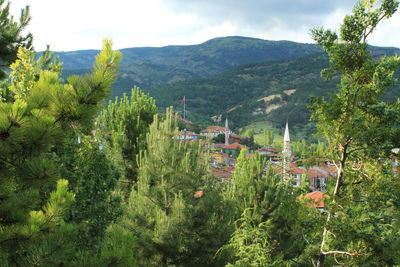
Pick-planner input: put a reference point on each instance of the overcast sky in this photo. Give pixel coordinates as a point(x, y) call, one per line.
point(72, 25)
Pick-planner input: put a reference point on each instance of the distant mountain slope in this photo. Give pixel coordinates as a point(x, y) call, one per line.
point(151, 66)
point(274, 91)
point(281, 74)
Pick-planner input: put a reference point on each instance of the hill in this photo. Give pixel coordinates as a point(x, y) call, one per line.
point(272, 91)
point(152, 66)
point(246, 79)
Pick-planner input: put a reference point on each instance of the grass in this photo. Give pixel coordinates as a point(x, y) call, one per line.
point(259, 128)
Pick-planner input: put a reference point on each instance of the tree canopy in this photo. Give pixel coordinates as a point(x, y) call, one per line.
point(361, 130)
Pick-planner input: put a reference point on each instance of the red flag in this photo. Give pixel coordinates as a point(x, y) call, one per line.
point(183, 100)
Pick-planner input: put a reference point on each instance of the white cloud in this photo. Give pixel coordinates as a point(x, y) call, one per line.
point(73, 24)
point(387, 33)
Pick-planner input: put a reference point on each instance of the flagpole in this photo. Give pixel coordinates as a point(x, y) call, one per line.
point(184, 108)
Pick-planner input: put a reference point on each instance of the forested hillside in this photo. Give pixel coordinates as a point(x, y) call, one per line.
point(274, 91)
point(150, 66)
point(239, 77)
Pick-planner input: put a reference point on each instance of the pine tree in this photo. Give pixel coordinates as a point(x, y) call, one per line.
point(34, 121)
point(25, 72)
point(124, 125)
point(11, 35)
point(93, 179)
point(266, 207)
point(170, 225)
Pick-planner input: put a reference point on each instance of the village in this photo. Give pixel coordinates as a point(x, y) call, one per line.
point(224, 158)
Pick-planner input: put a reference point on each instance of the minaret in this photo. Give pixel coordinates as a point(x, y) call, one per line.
point(226, 132)
point(286, 153)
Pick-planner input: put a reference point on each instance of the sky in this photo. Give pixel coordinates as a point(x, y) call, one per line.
point(68, 25)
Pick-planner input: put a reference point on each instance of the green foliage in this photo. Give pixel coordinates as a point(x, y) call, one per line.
point(269, 138)
point(361, 129)
point(11, 35)
point(26, 70)
point(37, 121)
point(170, 225)
point(266, 204)
point(116, 251)
point(259, 128)
point(251, 242)
point(37, 247)
point(93, 179)
point(310, 154)
point(124, 125)
point(219, 139)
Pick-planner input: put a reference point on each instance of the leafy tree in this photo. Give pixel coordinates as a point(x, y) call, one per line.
point(11, 35)
point(219, 138)
point(170, 224)
point(31, 124)
point(361, 226)
point(310, 154)
point(268, 138)
point(124, 125)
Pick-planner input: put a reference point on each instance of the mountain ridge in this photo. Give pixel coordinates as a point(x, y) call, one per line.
point(237, 93)
point(152, 66)
point(203, 72)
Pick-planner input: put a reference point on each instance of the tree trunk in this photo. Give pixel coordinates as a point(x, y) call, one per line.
point(321, 260)
point(339, 183)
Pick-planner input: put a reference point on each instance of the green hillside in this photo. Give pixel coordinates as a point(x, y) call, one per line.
point(151, 66)
point(286, 87)
point(225, 76)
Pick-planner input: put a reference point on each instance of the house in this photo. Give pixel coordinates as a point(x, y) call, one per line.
point(214, 131)
point(270, 152)
point(315, 199)
point(223, 175)
point(187, 135)
point(232, 149)
point(234, 138)
point(218, 146)
point(295, 173)
point(318, 179)
point(218, 158)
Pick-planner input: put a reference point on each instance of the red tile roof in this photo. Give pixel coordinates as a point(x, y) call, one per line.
point(292, 168)
point(236, 136)
point(316, 198)
point(214, 129)
point(188, 133)
point(296, 170)
point(219, 154)
point(219, 145)
point(234, 146)
point(313, 173)
point(198, 194)
point(331, 169)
